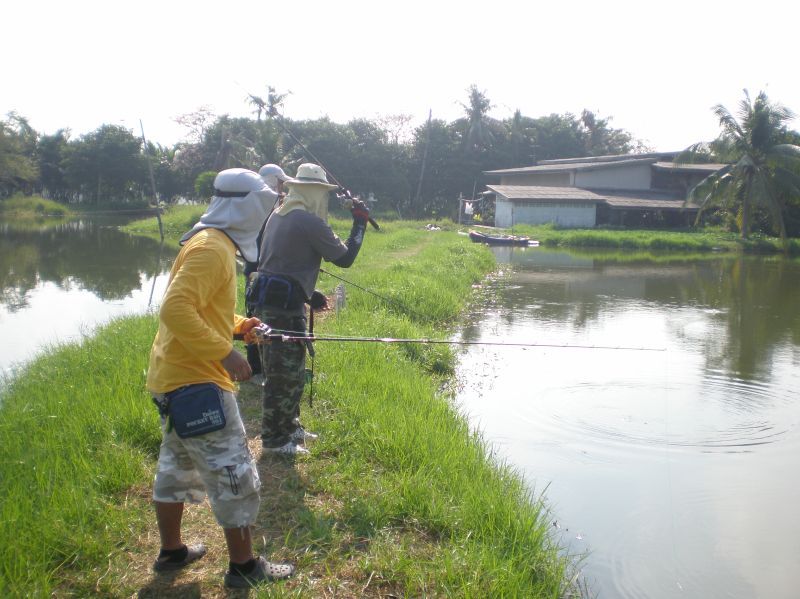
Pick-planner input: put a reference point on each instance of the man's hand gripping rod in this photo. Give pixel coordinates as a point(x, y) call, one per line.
point(347, 200)
point(343, 194)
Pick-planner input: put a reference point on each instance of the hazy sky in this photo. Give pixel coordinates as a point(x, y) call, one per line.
point(655, 68)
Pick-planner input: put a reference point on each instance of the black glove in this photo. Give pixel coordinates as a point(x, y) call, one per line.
point(360, 212)
point(318, 301)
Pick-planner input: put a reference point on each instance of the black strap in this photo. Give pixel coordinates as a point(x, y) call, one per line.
point(230, 194)
point(250, 267)
point(312, 353)
point(311, 386)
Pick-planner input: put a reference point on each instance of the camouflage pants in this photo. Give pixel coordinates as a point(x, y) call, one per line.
point(217, 463)
point(284, 366)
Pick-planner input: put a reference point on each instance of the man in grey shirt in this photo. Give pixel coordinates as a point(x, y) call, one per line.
point(296, 240)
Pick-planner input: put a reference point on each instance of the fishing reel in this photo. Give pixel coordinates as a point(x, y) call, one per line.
point(347, 201)
point(345, 197)
point(259, 334)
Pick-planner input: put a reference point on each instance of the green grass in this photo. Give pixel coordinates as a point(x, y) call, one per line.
point(398, 495)
point(76, 435)
point(701, 240)
point(28, 207)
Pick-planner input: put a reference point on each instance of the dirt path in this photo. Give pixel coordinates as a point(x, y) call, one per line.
point(288, 503)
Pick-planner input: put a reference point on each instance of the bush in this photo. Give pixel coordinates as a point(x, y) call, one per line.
point(204, 184)
point(21, 206)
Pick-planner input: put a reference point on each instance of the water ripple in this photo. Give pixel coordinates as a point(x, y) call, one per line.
point(730, 415)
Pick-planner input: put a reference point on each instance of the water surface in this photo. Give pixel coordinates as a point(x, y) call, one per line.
point(673, 472)
point(58, 281)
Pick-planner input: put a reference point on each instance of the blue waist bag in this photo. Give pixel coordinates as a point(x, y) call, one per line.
point(195, 410)
point(274, 291)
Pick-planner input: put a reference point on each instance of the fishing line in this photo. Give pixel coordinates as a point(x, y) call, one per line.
point(388, 300)
point(670, 489)
point(264, 357)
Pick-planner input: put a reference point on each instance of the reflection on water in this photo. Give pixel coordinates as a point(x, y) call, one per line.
point(58, 281)
point(673, 471)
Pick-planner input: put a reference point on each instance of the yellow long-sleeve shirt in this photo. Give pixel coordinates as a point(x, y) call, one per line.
point(197, 320)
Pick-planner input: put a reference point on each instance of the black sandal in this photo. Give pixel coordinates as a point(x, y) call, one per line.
point(193, 553)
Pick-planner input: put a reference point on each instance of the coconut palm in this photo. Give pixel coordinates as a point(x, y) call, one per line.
point(258, 103)
point(762, 169)
point(479, 134)
point(269, 106)
point(520, 140)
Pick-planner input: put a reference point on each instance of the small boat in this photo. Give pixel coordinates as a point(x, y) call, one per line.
point(498, 239)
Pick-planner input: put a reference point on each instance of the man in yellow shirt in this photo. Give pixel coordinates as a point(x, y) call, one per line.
point(193, 357)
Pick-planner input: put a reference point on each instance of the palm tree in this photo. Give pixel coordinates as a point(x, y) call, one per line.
point(478, 134)
point(270, 105)
point(258, 103)
point(519, 137)
point(763, 170)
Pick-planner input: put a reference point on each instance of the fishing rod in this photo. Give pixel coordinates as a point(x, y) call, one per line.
point(344, 195)
point(388, 300)
point(263, 335)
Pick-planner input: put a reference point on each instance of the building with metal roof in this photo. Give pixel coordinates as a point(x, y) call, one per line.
point(634, 189)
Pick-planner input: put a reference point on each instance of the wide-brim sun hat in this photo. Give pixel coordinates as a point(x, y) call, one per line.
point(311, 174)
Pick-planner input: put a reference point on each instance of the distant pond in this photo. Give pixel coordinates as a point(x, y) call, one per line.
point(673, 473)
point(58, 281)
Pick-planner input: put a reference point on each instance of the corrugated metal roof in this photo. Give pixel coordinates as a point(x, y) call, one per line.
point(572, 166)
point(618, 199)
point(544, 193)
point(646, 203)
point(688, 168)
point(610, 158)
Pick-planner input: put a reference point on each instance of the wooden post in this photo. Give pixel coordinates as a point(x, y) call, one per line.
point(424, 160)
point(152, 183)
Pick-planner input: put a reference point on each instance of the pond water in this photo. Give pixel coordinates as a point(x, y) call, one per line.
point(672, 472)
point(58, 281)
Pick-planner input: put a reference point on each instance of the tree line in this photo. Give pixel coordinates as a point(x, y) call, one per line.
point(414, 171)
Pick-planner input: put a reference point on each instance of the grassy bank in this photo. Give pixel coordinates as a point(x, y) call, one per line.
point(397, 498)
point(701, 240)
point(176, 220)
point(31, 207)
